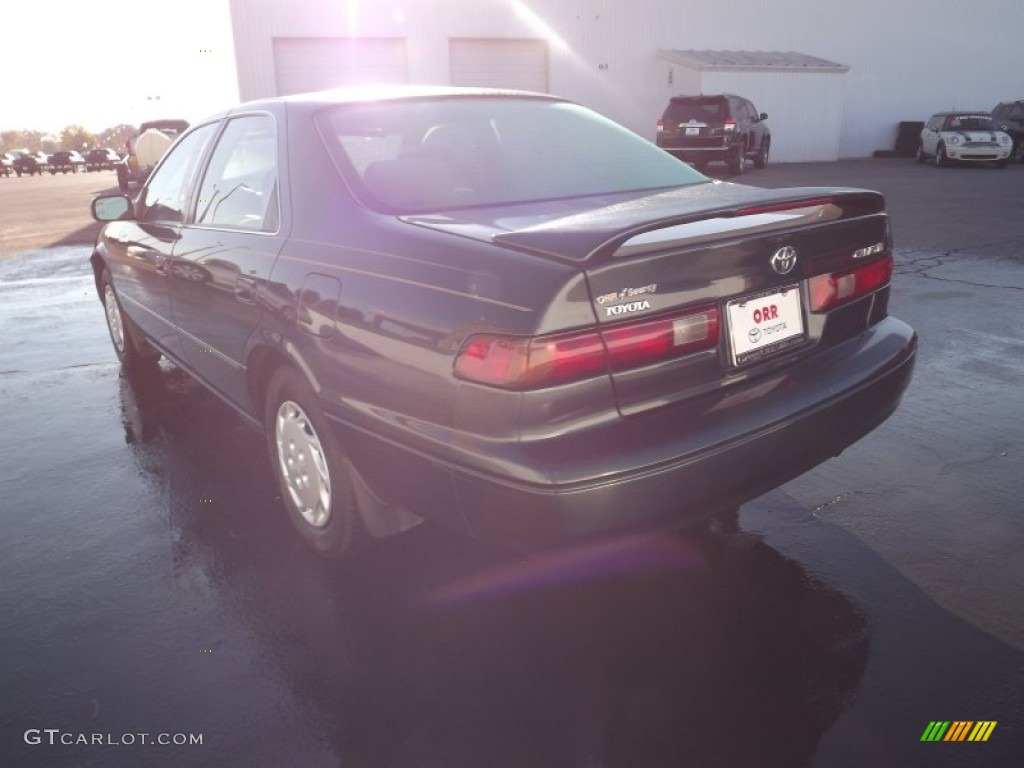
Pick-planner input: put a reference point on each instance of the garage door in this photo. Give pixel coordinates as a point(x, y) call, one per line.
point(499, 63)
point(312, 64)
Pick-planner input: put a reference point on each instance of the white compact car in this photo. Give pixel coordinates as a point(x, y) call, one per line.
point(970, 136)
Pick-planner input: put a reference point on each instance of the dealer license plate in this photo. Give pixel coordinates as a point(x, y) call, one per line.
point(765, 324)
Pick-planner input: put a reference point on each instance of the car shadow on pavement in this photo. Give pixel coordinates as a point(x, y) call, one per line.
point(83, 236)
point(430, 649)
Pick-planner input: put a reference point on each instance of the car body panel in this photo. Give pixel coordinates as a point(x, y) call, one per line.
point(374, 308)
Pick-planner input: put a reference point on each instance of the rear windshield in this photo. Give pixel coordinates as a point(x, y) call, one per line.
point(709, 110)
point(419, 155)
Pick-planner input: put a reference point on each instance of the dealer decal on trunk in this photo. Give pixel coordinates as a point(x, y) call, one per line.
point(626, 293)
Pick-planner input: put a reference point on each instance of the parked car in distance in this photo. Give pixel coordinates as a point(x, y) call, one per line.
point(722, 128)
point(29, 163)
point(144, 150)
point(501, 311)
point(6, 164)
point(101, 159)
point(64, 160)
point(970, 136)
point(1009, 118)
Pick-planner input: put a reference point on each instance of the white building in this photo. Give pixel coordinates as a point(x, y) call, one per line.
point(847, 73)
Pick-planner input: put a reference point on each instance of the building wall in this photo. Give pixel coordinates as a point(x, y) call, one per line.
point(907, 59)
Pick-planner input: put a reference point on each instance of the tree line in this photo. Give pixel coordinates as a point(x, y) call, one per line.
point(72, 137)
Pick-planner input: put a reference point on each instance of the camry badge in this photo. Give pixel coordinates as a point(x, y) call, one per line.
point(784, 259)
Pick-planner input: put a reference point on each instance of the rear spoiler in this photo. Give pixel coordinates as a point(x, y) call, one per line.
point(702, 212)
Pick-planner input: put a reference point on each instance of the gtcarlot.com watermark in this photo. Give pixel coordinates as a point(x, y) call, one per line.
point(55, 737)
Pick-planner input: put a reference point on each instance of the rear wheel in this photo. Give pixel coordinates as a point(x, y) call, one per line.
point(761, 159)
point(309, 465)
point(737, 162)
point(132, 353)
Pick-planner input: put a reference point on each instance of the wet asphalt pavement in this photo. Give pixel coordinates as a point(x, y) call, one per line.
point(150, 585)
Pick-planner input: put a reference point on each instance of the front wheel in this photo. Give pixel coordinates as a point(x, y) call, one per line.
point(309, 465)
point(940, 156)
point(132, 354)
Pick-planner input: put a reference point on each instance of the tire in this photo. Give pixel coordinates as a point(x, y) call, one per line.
point(920, 153)
point(737, 162)
point(761, 159)
point(940, 156)
point(309, 464)
point(134, 354)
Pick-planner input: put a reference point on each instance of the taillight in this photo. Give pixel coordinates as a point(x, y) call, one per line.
point(661, 126)
point(830, 290)
point(514, 362)
point(730, 125)
point(636, 344)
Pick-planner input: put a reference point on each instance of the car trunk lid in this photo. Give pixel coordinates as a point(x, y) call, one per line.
point(701, 259)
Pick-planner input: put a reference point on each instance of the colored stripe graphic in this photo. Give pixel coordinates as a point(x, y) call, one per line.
point(958, 730)
point(982, 730)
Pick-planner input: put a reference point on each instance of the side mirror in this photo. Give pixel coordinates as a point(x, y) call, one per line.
point(764, 116)
point(112, 208)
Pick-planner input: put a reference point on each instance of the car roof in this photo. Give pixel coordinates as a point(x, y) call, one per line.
point(706, 96)
point(985, 112)
point(374, 93)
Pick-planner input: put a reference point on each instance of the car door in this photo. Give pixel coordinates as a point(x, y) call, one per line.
point(224, 255)
point(139, 250)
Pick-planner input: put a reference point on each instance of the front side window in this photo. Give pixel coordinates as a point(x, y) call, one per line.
point(418, 155)
point(239, 190)
point(166, 193)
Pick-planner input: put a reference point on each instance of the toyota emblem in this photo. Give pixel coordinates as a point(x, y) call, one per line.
point(784, 259)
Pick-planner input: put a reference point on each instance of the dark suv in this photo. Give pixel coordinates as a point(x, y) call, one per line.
point(1009, 116)
point(701, 129)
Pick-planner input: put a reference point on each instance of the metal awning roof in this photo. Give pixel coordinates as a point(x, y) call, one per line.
point(783, 61)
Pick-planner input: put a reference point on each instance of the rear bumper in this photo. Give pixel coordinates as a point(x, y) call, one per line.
point(671, 466)
point(703, 154)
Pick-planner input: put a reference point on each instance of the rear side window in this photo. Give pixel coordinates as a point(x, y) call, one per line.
point(419, 155)
point(239, 189)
